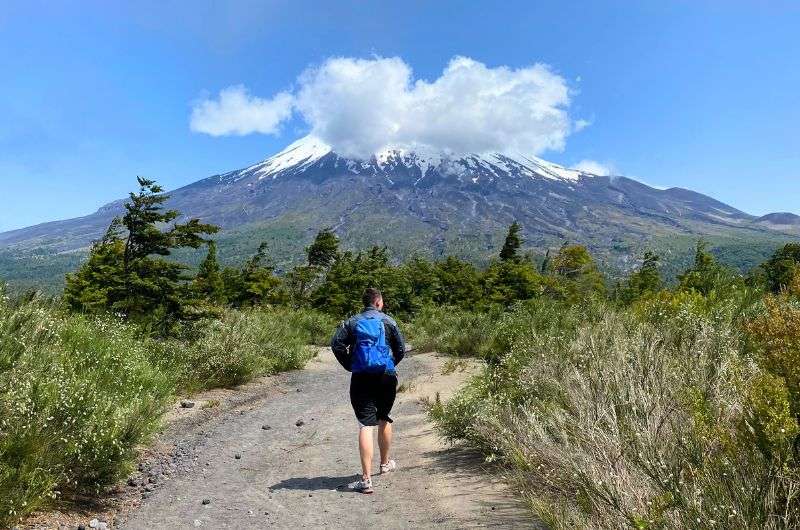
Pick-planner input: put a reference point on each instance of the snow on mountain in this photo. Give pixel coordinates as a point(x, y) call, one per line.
point(307, 151)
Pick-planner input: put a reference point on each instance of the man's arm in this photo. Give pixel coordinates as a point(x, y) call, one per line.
point(396, 341)
point(340, 345)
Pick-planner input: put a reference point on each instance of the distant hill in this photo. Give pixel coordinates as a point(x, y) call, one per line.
point(426, 203)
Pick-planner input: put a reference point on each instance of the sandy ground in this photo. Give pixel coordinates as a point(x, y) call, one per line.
point(238, 459)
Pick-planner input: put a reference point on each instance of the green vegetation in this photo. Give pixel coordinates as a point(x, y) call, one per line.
point(654, 409)
point(611, 406)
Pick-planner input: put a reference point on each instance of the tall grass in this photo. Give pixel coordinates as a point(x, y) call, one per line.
point(244, 344)
point(79, 394)
point(652, 418)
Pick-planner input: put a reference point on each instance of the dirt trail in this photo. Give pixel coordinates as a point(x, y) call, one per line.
point(292, 476)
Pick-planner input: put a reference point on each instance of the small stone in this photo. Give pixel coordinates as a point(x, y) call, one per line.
point(186, 404)
point(206, 501)
point(198, 523)
point(148, 488)
point(299, 423)
point(310, 495)
point(102, 526)
point(249, 512)
point(93, 523)
point(492, 508)
point(237, 456)
point(265, 427)
point(298, 390)
point(81, 527)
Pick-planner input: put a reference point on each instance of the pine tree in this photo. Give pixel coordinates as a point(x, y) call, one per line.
point(256, 283)
point(706, 273)
point(126, 273)
point(512, 243)
point(208, 281)
point(642, 282)
point(324, 250)
point(98, 283)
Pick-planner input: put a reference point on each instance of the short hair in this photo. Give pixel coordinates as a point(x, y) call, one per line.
point(370, 296)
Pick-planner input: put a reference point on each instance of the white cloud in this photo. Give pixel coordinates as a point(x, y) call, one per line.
point(594, 167)
point(237, 112)
point(360, 106)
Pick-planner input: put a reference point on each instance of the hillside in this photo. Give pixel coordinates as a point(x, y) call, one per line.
point(423, 202)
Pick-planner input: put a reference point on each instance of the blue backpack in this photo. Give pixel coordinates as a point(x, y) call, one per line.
point(371, 354)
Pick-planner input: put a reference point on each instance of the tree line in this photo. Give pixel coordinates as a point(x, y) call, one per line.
point(128, 273)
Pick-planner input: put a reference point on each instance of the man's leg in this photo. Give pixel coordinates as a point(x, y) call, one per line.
point(365, 450)
point(384, 440)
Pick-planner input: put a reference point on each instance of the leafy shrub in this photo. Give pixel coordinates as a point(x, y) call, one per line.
point(776, 333)
point(77, 395)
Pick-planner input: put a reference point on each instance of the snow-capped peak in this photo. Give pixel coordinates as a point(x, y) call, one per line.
point(297, 155)
point(304, 152)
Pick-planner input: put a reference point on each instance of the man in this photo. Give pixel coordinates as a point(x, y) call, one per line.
point(370, 346)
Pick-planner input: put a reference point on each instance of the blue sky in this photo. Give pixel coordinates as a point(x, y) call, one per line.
point(697, 94)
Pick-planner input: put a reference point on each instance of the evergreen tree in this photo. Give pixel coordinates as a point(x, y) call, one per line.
point(209, 282)
point(423, 281)
point(642, 282)
point(255, 284)
point(780, 268)
point(135, 280)
point(512, 243)
point(545, 268)
point(324, 250)
point(98, 283)
point(506, 282)
point(340, 292)
point(299, 283)
point(459, 282)
point(705, 274)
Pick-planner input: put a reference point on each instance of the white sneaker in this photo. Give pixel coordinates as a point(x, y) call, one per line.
point(364, 486)
point(391, 465)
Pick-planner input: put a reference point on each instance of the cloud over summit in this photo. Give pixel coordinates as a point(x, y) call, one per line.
point(360, 106)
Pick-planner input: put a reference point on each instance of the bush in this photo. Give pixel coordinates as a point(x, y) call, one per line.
point(452, 331)
point(77, 395)
point(241, 345)
point(618, 421)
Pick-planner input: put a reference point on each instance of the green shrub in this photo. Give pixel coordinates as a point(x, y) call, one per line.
point(239, 346)
point(620, 422)
point(77, 395)
point(452, 331)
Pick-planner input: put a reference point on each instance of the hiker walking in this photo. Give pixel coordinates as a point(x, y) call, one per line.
point(370, 345)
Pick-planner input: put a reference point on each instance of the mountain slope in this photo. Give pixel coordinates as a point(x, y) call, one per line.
point(427, 202)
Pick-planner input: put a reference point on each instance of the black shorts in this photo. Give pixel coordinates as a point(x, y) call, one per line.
point(372, 397)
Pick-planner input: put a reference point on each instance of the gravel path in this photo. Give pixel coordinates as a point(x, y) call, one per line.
point(280, 454)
